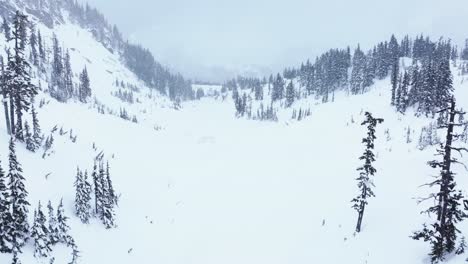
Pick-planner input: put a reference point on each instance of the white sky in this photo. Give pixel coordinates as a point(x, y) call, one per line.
point(192, 35)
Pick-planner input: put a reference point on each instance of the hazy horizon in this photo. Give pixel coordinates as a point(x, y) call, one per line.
point(210, 38)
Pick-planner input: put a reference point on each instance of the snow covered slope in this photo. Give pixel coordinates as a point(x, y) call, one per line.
point(198, 185)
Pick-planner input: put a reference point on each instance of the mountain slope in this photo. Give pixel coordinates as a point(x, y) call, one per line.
point(197, 185)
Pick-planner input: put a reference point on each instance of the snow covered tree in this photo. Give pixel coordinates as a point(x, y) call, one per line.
point(68, 76)
point(112, 196)
point(40, 234)
point(6, 220)
point(357, 74)
point(37, 134)
point(98, 192)
point(62, 225)
point(20, 88)
point(34, 58)
point(19, 203)
point(108, 216)
point(84, 87)
point(394, 79)
point(83, 197)
point(367, 171)
point(442, 233)
point(53, 227)
point(28, 138)
point(290, 94)
point(278, 88)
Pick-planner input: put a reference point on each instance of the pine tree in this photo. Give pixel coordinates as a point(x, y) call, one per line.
point(33, 44)
point(394, 79)
point(6, 219)
point(98, 192)
point(84, 87)
point(442, 234)
point(107, 202)
point(68, 76)
point(290, 94)
point(37, 134)
point(21, 88)
point(19, 203)
point(83, 197)
point(62, 225)
point(53, 227)
point(357, 74)
point(367, 171)
point(112, 196)
point(278, 88)
point(40, 234)
point(30, 145)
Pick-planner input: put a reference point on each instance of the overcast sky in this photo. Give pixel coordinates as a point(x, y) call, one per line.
point(193, 35)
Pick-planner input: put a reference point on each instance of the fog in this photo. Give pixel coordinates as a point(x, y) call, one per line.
point(211, 39)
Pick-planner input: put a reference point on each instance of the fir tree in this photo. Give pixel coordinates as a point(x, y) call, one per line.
point(442, 234)
point(367, 171)
point(19, 203)
point(83, 197)
point(40, 234)
point(62, 225)
point(6, 219)
point(30, 145)
point(98, 192)
point(37, 134)
point(21, 88)
point(84, 87)
point(290, 94)
point(53, 227)
point(278, 88)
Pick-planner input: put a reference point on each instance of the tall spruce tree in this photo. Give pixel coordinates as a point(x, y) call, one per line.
point(63, 227)
point(19, 203)
point(83, 197)
point(53, 227)
point(290, 94)
point(367, 171)
point(6, 220)
point(40, 234)
point(84, 87)
point(442, 234)
point(21, 88)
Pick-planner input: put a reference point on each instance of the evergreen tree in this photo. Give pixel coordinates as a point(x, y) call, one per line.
point(53, 227)
point(37, 134)
point(21, 88)
point(357, 74)
point(83, 197)
point(6, 219)
point(68, 76)
point(290, 94)
point(442, 234)
point(41, 49)
point(278, 88)
point(40, 234)
point(112, 196)
point(19, 203)
point(30, 145)
point(367, 171)
point(33, 44)
point(394, 79)
point(62, 225)
point(98, 192)
point(403, 90)
point(84, 87)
